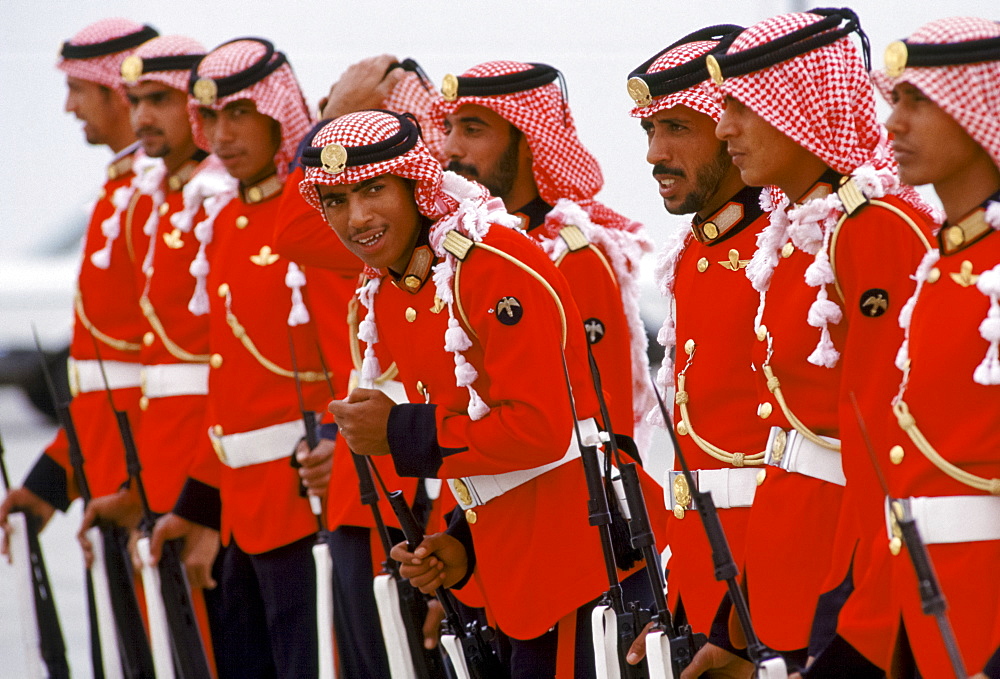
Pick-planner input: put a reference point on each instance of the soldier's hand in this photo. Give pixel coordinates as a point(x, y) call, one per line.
point(363, 85)
point(637, 651)
point(438, 561)
point(22, 499)
point(715, 662)
point(122, 508)
point(363, 420)
point(201, 546)
point(316, 466)
point(432, 624)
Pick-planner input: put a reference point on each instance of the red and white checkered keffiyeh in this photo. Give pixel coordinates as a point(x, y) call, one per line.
point(278, 95)
point(456, 204)
point(702, 98)
point(104, 70)
point(969, 93)
point(411, 96)
point(169, 46)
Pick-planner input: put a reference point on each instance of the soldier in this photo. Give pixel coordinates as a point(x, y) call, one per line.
point(105, 306)
point(248, 109)
point(480, 350)
point(834, 259)
point(700, 272)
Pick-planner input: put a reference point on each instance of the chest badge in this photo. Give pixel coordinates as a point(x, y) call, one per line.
point(265, 257)
point(509, 310)
point(965, 277)
point(174, 239)
point(874, 302)
point(595, 330)
point(734, 263)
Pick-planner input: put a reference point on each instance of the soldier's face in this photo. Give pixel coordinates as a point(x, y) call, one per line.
point(160, 122)
point(99, 108)
point(931, 147)
point(376, 219)
point(690, 165)
point(244, 139)
point(482, 146)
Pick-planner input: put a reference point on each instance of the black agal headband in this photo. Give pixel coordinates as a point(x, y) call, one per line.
point(643, 86)
point(806, 39)
point(100, 49)
point(335, 158)
point(134, 66)
point(900, 54)
point(453, 86)
point(209, 90)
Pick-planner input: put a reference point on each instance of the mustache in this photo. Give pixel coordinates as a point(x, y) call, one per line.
point(148, 130)
point(462, 169)
point(660, 169)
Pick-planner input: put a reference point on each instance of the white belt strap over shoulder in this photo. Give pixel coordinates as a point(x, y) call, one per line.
point(735, 487)
point(948, 519)
point(474, 491)
point(257, 446)
point(793, 452)
point(174, 379)
point(85, 376)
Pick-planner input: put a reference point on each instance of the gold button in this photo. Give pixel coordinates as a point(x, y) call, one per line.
point(933, 275)
point(102, 194)
point(412, 282)
point(955, 236)
point(112, 172)
point(703, 264)
point(764, 411)
point(215, 361)
point(242, 221)
point(420, 387)
point(217, 430)
point(411, 314)
point(761, 475)
point(895, 546)
point(678, 511)
point(175, 183)
point(149, 338)
point(255, 194)
point(223, 289)
point(470, 516)
point(143, 403)
point(682, 429)
point(896, 454)
point(711, 230)
point(164, 209)
point(762, 333)
point(689, 347)
point(787, 250)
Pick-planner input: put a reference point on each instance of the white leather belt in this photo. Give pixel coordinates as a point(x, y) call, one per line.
point(949, 518)
point(793, 452)
point(473, 491)
point(174, 379)
point(257, 446)
point(729, 487)
point(85, 376)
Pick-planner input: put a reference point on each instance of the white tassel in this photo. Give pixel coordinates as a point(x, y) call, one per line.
point(825, 354)
point(370, 369)
point(295, 279)
point(455, 338)
point(465, 373)
point(823, 311)
point(987, 372)
point(477, 407)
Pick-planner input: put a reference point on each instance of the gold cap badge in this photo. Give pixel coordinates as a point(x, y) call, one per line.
point(895, 59)
point(334, 158)
point(132, 69)
point(206, 91)
point(638, 89)
point(714, 70)
point(449, 87)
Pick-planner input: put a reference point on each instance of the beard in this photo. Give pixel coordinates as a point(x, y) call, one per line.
point(500, 178)
point(707, 180)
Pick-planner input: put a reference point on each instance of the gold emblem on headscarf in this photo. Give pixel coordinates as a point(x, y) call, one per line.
point(895, 58)
point(132, 69)
point(206, 91)
point(714, 70)
point(334, 158)
point(638, 89)
point(449, 87)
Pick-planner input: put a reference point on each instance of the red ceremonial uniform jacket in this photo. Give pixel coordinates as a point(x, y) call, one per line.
point(251, 382)
point(173, 431)
point(798, 545)
point(958, 417)
point(105, 305)
point(715, 306)
point(526, 538)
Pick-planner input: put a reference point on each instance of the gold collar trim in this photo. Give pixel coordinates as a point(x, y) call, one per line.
point(120, 167)
point(971, 228)
point(177, 180)
point(819, 190)
point(262, 190)
point(418, 271)
point(719, 223)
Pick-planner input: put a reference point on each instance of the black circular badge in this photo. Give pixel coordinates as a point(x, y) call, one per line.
point(595, 330)
point(874, 302)
point(508, 310)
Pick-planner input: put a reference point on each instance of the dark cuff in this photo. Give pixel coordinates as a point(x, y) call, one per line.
point(412, 435)
point(840, 659)
point(992, 669)
point(719, 634)
point(328, 430)
point(458, 528)
point(200, 503)
point(47, 479)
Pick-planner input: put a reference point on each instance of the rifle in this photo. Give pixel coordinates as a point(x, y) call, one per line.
point(769, 664)
point(26, 553)
point(932, 601)
point(683, 642)
point(173, 626)
point(109, 600)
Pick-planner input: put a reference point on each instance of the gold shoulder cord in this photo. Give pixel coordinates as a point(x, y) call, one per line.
point(909, 424)
point(736, 459)
point(119, 345)
point(133, 202)
point(576, 241)
point(389, 373)
point(175, 350)
point(241, 334)
point(774, 386)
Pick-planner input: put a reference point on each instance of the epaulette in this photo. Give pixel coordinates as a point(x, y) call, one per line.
point(458, 245)
point(850, 196)
point(573, 237)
